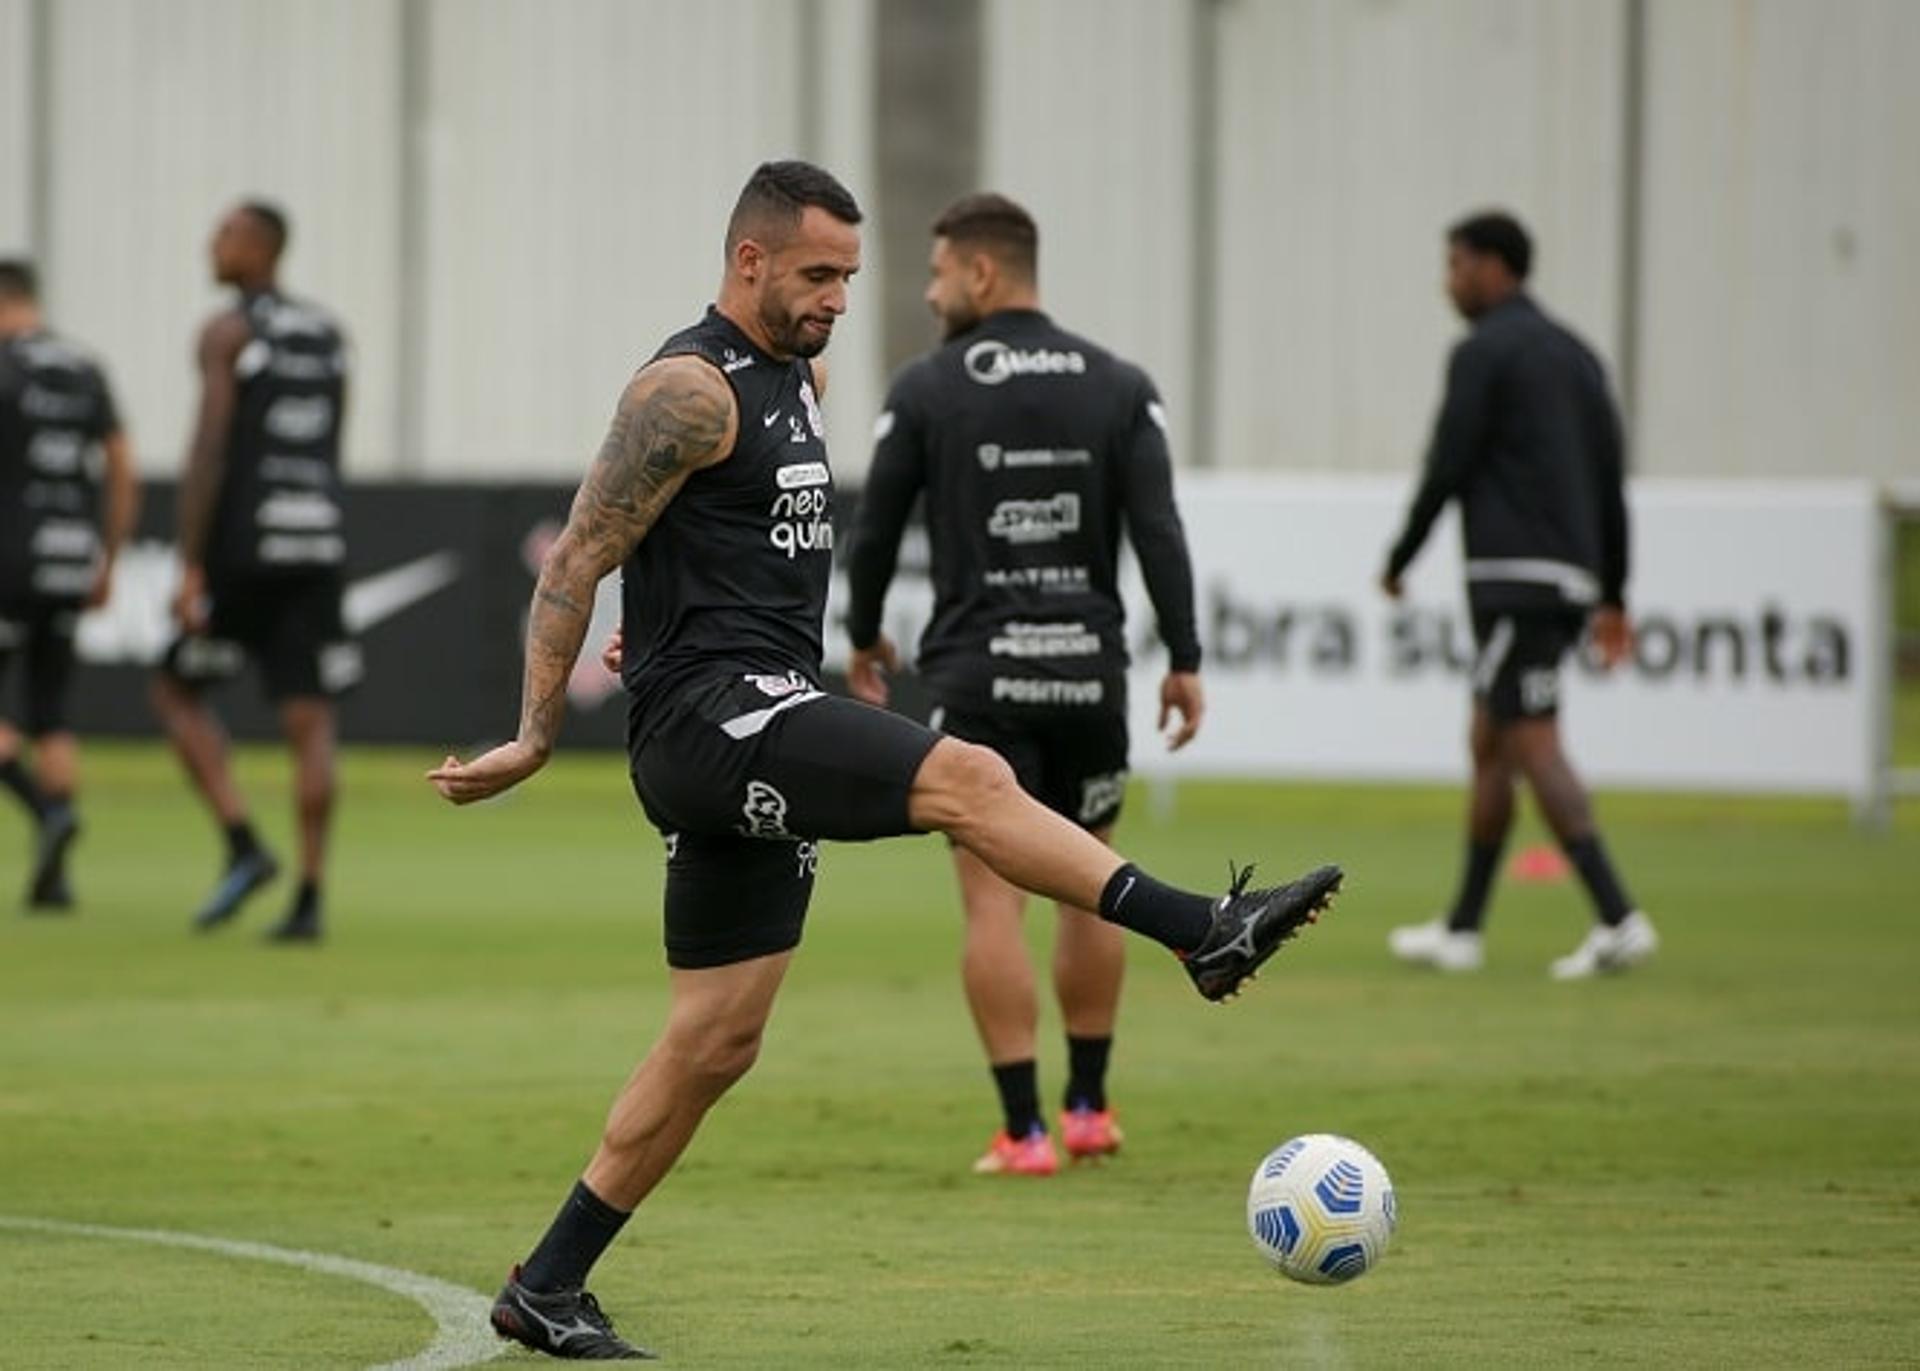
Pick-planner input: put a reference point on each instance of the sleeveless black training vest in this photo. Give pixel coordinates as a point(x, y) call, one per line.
point(279, 509)
point(734, 575)
point(54, 410)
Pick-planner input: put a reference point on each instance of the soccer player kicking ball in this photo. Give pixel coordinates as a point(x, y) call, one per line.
point(712, 488)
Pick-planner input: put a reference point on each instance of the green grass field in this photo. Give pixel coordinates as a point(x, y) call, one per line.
point(1713, 1162)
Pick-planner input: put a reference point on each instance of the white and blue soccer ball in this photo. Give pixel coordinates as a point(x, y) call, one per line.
point(1321, 1208)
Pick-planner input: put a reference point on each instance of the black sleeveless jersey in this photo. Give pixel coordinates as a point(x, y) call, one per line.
point(733, 576)
point(279, 505)
point(54, 410)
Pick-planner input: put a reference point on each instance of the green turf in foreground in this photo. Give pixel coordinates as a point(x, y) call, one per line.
point(1710, 1163)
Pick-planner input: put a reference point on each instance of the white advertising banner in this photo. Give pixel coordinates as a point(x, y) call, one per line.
point(1756, 606)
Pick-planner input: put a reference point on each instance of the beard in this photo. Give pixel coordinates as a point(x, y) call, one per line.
point(790, 334)
point(959, 321)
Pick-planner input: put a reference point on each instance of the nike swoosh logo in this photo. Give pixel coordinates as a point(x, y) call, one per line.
point(769, 420)
point(374, 599)
point(1121, 898)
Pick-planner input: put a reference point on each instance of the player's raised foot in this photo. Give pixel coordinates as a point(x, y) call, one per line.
point(1434, 944)
point(1032, 1155)
point(47, 891)
point(242, 878)
point(1607, 949)
point(564, 1323)
point(1250, 925)
point(1089, 1134)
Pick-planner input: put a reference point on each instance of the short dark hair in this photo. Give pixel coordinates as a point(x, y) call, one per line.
point(779, 192)
point(272, 220)
point(995, 223)
point(1496, 234)
point(18, 279)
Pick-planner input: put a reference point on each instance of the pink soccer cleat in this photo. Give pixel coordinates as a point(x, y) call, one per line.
point(1032, 1155)
point(1090, 1133)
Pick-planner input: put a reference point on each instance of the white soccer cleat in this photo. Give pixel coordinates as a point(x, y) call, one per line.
point(1606, 949)
point(1434, 944)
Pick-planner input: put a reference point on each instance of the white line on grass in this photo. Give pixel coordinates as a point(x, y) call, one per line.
point(459, 1314)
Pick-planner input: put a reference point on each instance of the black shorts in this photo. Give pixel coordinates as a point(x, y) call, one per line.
point(1516, 668)
point(40, 634)
point(290, 626)
point(744, 775)
point(1073, 761)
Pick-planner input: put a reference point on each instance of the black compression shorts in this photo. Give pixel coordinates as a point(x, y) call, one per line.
point(744, 775)
point(40, 633)
point(290, 626)
point(1516, 669)
point(1073, 761)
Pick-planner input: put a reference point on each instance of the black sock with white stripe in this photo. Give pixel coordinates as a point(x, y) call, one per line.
point(1175, 919)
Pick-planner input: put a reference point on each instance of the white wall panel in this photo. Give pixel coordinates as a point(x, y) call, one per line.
point(1782, 303)
point(581, 162)
point(164, 114)
point(1350, 135)
point(16, 131)
point(844, 90)
point(1088, 122)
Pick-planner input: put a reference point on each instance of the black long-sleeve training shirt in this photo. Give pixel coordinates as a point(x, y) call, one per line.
point(1528, 440)
point(1034, 447)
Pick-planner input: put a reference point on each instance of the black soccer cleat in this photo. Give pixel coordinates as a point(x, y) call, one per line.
point(47, 891)
point(242, 878)
point(1250, 925)
point(298, 927)
point(566, 1324)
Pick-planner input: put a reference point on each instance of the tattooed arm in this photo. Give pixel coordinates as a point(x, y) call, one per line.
point(676, 416)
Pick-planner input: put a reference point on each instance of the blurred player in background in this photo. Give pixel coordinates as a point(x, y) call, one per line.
point(1034, 448)
point(261, 556)
point(712, 488)
point(61, 450)
point(1529, 442)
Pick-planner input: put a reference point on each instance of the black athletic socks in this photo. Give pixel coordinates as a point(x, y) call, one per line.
point(1476, 882)
point(1087, 1072)
point(1172, 918)
point(1019, 1086)
point(241, 841)
point(1589, 858)
point(579, 1234)
point(15, 777)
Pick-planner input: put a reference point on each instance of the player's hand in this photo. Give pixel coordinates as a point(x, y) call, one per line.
point(488, 774)
point(190, 600)
point(868, 669)
point(1612, 635)
point(102, 589)
point(1181, 693)
point(610, 654)
point(1390, 584)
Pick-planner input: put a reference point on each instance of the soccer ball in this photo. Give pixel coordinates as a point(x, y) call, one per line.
point(1321, 1208)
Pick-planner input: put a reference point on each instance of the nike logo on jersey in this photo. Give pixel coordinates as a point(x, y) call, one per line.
point(769, 420)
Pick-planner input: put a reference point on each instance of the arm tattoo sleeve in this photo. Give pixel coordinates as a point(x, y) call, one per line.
point(666, 427)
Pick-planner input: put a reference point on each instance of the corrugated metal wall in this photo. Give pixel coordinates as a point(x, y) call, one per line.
point(567, 168)
point(1350, 136)
point(1088, 123)
point(1781, 311)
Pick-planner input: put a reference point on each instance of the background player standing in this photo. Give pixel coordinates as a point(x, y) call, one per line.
point(261, 555)
point(61, 449)
point(713, 489)
point(1528, 441)
point(1034, 448)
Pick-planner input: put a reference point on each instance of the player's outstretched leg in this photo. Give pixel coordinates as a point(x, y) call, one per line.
point(969, 793)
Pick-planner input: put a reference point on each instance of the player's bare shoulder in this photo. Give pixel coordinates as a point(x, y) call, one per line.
point(677, 414)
